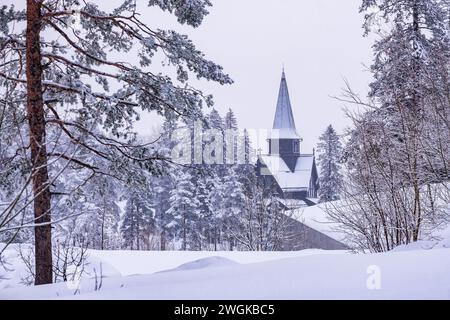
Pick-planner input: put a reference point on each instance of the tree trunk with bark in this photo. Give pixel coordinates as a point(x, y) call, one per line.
point(36, 121)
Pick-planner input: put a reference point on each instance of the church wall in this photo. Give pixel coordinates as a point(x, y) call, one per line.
point(300, 195)
point(300, 237)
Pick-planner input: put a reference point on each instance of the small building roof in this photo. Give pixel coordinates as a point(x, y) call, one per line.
point(317, 218)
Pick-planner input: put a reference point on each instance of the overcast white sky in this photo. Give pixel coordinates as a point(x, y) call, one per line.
point(320, 43)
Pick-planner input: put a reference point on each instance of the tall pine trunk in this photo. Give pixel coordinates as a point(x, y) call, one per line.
point(102, 243)
point(184, 232)
point(163, 240)
point(36, 121)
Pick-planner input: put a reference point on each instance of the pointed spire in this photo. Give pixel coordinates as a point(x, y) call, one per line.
point(284, 119)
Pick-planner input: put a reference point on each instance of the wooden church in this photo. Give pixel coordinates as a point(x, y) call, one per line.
point(292, 173)
point(294, 177)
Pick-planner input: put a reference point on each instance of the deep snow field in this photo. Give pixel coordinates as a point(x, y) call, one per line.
point(420, 271)
point(417, 271)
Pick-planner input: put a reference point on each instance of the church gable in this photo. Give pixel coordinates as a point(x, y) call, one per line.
point(297, 180)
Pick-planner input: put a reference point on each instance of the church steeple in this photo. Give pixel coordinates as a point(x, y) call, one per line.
point(284, 123)
point(284, 139)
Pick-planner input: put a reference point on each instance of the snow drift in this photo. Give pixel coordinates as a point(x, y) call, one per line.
point(308, 274)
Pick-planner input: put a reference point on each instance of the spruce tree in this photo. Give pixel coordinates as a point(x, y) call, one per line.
point(184, 208)
point(138, 221)
point(230, 120)
point(330, 151)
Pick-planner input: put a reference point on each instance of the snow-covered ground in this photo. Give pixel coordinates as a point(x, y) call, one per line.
point(407, 273)
point(416, 271)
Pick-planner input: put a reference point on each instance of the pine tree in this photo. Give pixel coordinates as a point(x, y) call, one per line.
point(104, 220)
point(215, 120)
point(231, 138)
point(330, 153)
point(233, 199)
point(184, 209)
point(138, 222)
point(73, 83)
point(410, 83)
point(261, 225)
point(207, 223)
point(161, 204)
point(216, 197)
point(395, 153)
point(230, 120)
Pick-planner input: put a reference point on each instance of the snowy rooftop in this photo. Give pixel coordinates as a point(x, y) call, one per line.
point(286, 179)
point(316, 217)
point(293, 203)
